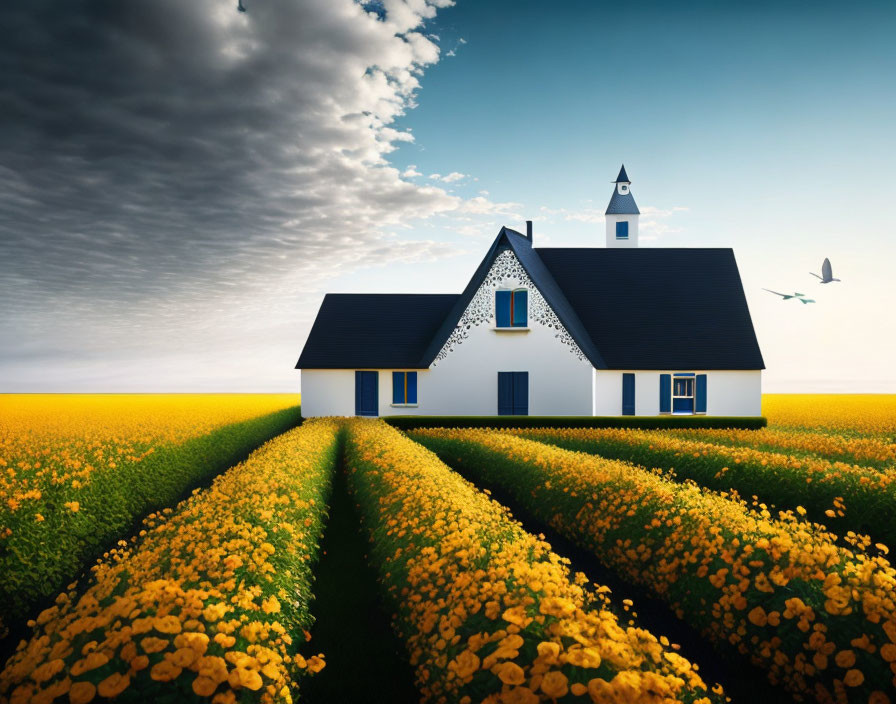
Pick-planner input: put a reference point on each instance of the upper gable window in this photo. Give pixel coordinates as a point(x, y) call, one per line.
point(622, 230)
point(512, 308)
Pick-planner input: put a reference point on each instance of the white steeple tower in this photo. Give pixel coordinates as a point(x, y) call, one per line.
point(622, 214)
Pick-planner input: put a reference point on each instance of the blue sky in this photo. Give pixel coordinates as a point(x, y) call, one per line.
point(173, 225)
point(767, 127)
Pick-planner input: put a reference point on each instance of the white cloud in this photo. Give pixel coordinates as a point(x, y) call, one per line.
point(453, 176)
point(194, 258)
point(410, 172)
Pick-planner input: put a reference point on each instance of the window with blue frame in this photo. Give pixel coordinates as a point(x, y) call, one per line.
point(404, 388)
point(512, 308)
point(622, 230)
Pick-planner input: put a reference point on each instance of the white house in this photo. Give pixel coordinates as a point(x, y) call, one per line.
point(599, 331)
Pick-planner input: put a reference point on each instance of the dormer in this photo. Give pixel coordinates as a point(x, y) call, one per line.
point(622, 214)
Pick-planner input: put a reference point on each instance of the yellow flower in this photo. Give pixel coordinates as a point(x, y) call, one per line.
point(82, 692)
point(73, 506)
point(757, 616)
point(510, 673)
point(113, 685)
point(204, 686)
point(315, 663)
point(166, 624)
point(164, 671)
point(465, 664)
point(583, 657)
point(554, 684)
point(249, 679)
point(853, 678)
point(548, 651)
point(845, 658)
point(91, 662)
point(151, 644)
point(224, 640)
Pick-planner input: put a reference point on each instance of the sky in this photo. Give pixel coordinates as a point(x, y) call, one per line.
point(180, 183)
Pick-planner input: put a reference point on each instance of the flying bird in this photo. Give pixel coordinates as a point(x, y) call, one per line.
point(826, 273)
point(798, 296)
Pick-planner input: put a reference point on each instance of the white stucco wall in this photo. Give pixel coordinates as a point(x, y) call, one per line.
point(464, 378)
point(328, 392)
point(728, 393)
point(632, 240)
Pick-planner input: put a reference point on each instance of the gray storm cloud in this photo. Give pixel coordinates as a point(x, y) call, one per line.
point(175, 176)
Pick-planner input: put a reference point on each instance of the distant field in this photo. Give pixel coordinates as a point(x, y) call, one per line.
point(853, 414)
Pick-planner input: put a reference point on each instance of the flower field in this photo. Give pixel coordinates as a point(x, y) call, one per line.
point(196, 574)
point(488, 612)
point(821, 619)
point(845, 496)
point(76, 472)
point(208, 603)
point(854, 415)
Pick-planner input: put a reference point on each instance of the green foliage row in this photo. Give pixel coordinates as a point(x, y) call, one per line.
point(846, 497)
point(820, 618)
point(38, 559)
point(415, 422)
point(488, 612)
point(210, 602)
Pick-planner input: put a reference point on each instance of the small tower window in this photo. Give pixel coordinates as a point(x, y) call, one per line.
point(512, 308)
point(622, 230)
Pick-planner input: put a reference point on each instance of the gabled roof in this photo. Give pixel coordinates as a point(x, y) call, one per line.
point(622, 204)
point(541, 277)
point(656, 308)
point(622, 177)
point(659, 308)
point(373, 330)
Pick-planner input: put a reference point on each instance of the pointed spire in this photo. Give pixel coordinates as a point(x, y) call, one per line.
point(622, 177)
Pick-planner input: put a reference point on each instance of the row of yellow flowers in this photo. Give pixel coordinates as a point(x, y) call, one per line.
point(848, 497)
point(850, 414)
point(77, 471)
point(819, 618)
point(878, 452)
point(488, 612)
point(210, 602)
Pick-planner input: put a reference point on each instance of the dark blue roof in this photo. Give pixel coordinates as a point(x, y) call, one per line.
point(622, 177)
point(373, 330)
point(622, 204)
point(659, 308)
point(653, 308)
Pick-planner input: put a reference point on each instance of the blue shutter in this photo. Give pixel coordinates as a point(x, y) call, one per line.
point(701, 394)
point(398, 387)
point(665, 393)
point(505, 393)
point(520, 393)
point(502, 309)
point(520, 312)
point(412, 387)
point(628, 394)
point(359, 381)
point(622, 230)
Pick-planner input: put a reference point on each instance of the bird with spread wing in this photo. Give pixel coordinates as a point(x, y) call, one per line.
point(827, 275)
point(785, 296)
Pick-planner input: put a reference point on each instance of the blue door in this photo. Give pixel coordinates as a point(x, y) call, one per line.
point(367, 393)
point(628, 394)
point(513, 393)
